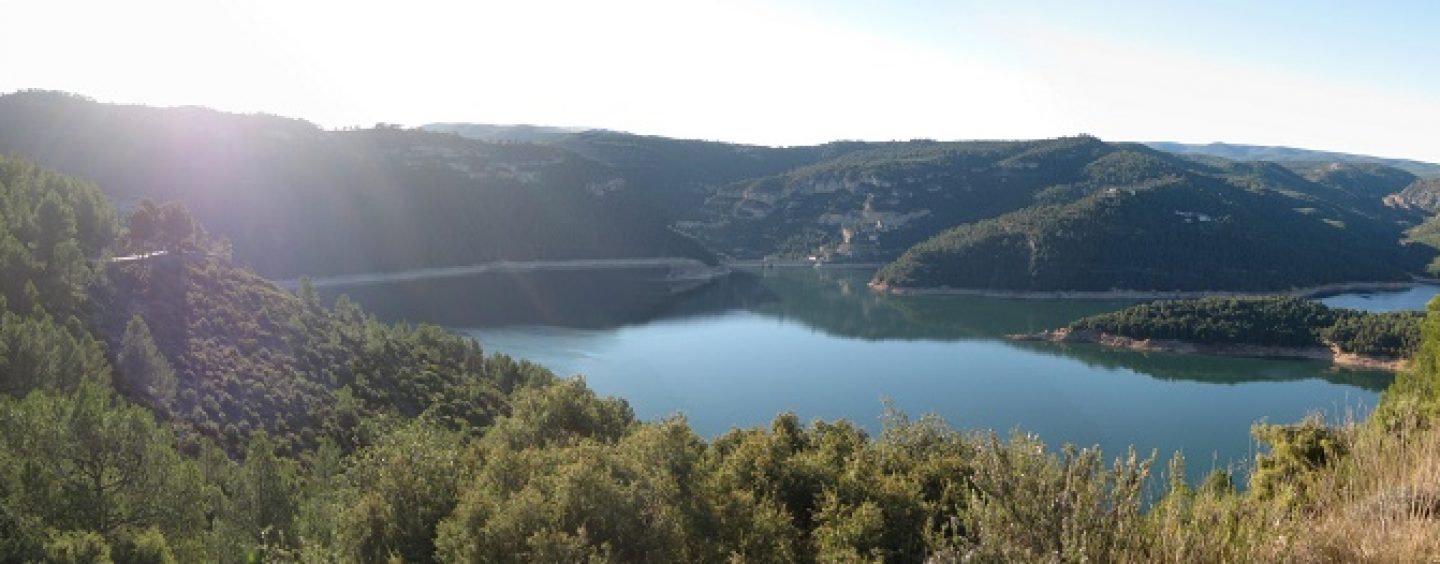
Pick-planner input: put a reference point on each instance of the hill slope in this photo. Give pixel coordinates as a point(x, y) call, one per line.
point(875, 202)
point(294, 199)
point(1287, 155)
point(1146, 222)
point(670, 177)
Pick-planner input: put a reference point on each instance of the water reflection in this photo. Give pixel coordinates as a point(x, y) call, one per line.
point(833, 301)
point(819, 343)
point(838, 303)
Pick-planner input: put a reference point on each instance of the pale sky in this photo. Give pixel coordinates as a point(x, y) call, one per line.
point(1347, 76)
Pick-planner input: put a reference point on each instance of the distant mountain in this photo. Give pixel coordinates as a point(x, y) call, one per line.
point(1287, 156)
point(873, 203)
point(1145, 220)
point(671, 177)
point(1069, 213)
point(502, 133)
point(294, 199)
point(1418, 189)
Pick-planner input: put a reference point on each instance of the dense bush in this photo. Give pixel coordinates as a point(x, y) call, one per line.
point(1390, 334)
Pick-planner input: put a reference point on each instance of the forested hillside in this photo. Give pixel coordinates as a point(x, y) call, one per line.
point(166, 406)
point(866, 202)
point(294, 199)
point(1072, 213)
point(1142, 222)
point(671, 177)
point(874, 203)
point(505, 133)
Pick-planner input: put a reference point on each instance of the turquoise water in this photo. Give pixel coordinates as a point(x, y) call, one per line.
point(818, 343)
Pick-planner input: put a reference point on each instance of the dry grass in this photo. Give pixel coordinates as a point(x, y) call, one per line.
point(1380, 504)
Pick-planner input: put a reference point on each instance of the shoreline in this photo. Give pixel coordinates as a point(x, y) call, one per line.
point(1109, 340)
point(762, 264)
point(683, 271)
point(1303, 292)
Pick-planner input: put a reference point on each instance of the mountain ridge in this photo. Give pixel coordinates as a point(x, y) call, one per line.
point(295, 199)
point(1282, 154)
point(1206, 227)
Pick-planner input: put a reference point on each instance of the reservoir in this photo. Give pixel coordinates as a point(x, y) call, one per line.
point(818, 343)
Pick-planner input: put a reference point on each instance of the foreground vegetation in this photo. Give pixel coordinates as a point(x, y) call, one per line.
point(1277, 321)
point(178, 408)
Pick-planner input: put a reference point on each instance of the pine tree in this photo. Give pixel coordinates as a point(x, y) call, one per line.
point(143, 369)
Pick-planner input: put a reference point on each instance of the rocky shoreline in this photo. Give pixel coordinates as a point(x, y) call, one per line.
point(1333, 354)
point(1306, 292)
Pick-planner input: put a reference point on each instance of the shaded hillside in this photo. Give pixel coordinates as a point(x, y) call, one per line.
point(1247, 226)
point(874, 203)
point(1365, 187)
point(217, 351)
point(294, 199)
point(1428, 235)
point(670, 177)
point(1289, 155)
point(250, 357)
point(505, 133)
point(871, 202)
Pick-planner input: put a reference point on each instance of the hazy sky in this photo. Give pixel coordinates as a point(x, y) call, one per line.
point(1352, 76)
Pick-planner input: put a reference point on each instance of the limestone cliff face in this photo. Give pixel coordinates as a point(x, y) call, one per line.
point(1423, 194)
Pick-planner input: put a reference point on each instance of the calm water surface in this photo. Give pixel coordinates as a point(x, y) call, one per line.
point(1414, 299)
point(818, 343)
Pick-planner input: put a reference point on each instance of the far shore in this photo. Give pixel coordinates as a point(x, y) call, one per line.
point(1306, 292)
point(685, 271)
point(755, 263)
point(1333, 354)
